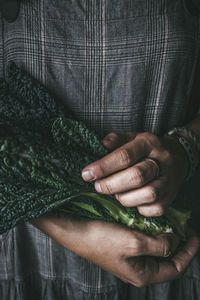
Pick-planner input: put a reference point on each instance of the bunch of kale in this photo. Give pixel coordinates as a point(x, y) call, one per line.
point(42, 152)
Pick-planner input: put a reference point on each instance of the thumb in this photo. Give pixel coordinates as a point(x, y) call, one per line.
point(114, 140)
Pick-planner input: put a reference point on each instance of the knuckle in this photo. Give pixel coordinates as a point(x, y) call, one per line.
point(166, 247)
point(137, 176)
point(125, 157)
point(137, 246)
point(106, 188)
point(151, 138)
point(167, 156)
point(100, 170)
point(145, 134)
point(112, 136)
point(151, 194)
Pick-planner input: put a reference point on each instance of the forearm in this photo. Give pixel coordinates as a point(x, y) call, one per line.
point(114, 247)
point(67, 231)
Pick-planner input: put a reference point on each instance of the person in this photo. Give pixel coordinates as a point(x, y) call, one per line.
point(127, 69)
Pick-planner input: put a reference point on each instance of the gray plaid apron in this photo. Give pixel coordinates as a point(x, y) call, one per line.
point(120, 65)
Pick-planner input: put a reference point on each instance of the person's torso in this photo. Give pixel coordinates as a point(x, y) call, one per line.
point(119, 65)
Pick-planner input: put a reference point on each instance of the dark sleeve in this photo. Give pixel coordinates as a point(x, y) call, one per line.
point(10, 9)
point(197, 4)
point(192, 6)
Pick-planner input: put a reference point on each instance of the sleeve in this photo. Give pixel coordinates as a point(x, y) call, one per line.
point(192, 6)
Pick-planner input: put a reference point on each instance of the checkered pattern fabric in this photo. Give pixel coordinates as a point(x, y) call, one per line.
point(120, 65)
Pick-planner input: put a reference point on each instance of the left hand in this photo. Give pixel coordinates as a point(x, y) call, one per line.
point(130, 255)
point(132, 178)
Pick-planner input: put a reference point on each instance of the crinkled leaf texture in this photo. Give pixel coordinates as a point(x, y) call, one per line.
point(42, 152)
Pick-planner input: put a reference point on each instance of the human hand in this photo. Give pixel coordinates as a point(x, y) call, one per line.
point(132, 178)
point(130, 255)
point(136, 258)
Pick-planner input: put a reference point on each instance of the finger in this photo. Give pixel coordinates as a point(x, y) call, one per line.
point(140, 270)
point(128, 179)
point(115, 140)
point(148, 194)
point(186, 254)
point(169, 270)
point(161, 245)
point(155, 209)
point(119, 159)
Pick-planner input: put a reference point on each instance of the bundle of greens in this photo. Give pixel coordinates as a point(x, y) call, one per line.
point(42, 152)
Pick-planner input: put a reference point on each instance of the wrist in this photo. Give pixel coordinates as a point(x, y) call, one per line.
point(179, 154)
point(192, 138)
point(191, 145)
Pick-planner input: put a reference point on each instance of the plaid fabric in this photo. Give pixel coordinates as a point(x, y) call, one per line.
point(120, 65)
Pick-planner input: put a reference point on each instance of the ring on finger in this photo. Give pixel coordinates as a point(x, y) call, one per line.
point(156, 163)
point(168, 254)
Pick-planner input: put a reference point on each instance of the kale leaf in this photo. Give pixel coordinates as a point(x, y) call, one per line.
point(42, 152)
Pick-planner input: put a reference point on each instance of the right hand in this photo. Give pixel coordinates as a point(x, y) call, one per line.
point(130, 255)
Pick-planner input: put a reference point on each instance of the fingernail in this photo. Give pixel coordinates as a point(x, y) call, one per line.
point(88, 175)
point(98, 187)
